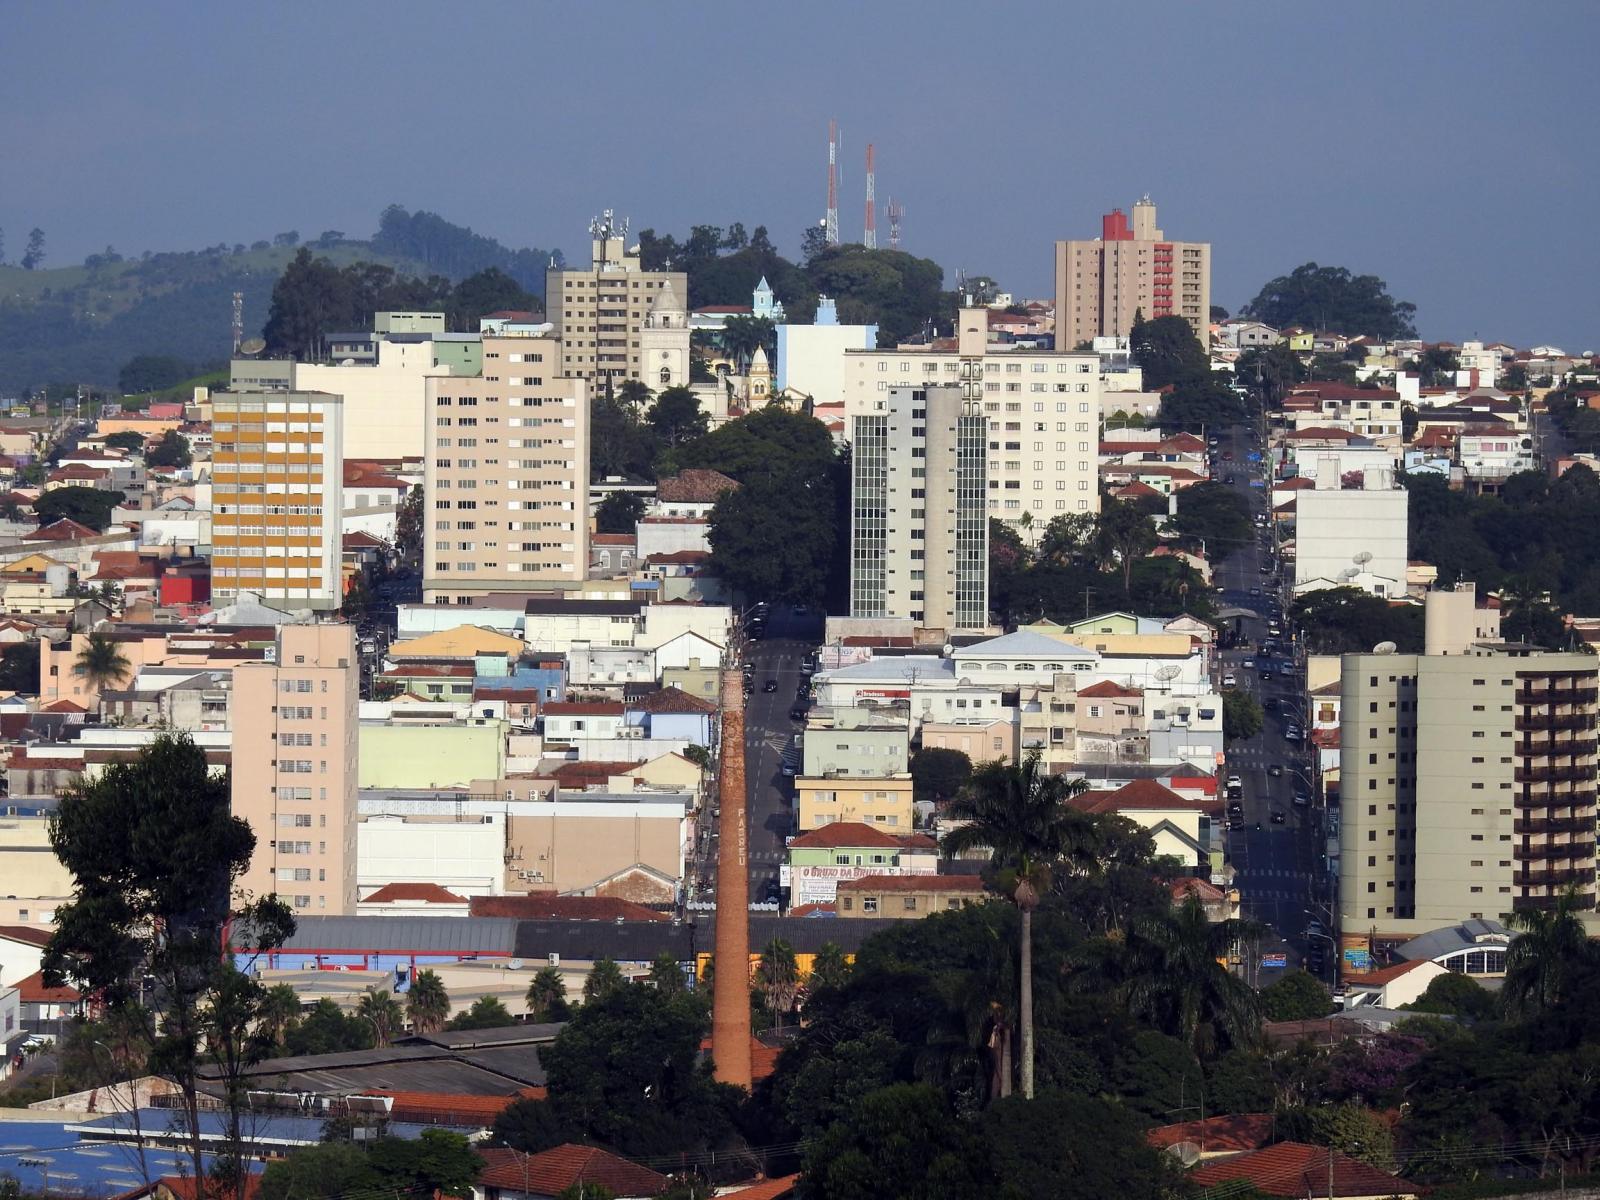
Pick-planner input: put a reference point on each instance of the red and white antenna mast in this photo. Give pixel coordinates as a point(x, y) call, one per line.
point(831, 225)
point(870, 239)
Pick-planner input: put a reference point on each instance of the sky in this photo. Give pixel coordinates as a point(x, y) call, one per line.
point(1444, 146)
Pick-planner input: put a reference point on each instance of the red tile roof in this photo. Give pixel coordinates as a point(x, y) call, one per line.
point(819, 909)
point(1182, 889)
point(583, 708)
point(670, 700)
point(430, 893)
point(63, 706)
point(1136, 488)
point(766, 1189)
point(25, 934)
point(1235, 1132)
point(34, 991)
point(1320, 434)
point(763, 1058)
point(1296, 1169)
point(583, 774)
point(63, 530)
point(613, 539)
point(183, 1187)
point(1376, 979)
point(552, 1172)
point(1106, 689)
point(846, 833)
point(547, 906)
point(1138, 794)
point(697, 485)
point(434, 1105)
point(970, 884)
point(361, 540)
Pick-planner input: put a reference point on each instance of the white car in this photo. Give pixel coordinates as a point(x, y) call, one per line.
point(1230, 680)
point(1235, 782)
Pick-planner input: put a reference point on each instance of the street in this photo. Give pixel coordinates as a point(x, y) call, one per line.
point(1277, 864)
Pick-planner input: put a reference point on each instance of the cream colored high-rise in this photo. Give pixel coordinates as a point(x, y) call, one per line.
point(277, 493)
point(600, 311)
point(1043, 410)
point(1130, 268)
point(294, 767)
point(506, 475)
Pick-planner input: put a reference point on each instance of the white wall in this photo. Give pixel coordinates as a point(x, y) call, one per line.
point(811, 357)
point(385, 405)
point(1332, 526)
point(467, 857)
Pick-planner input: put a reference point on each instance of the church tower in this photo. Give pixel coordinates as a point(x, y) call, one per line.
point(760, 380)
point(664, 343)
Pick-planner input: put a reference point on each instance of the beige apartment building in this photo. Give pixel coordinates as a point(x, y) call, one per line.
point(871, 801)
point(599, 312)
point(1130, 268)
point(506, 475)
point(1042, 409)
point(294, 767)
point(277, 479)
point(1467, 785)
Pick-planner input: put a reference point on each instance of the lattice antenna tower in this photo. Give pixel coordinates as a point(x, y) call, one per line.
point(895, 211)
point(238, 321)
point(870, 238)
point(831, 222)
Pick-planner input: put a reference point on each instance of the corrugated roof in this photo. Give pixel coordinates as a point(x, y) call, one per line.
point(483, 935)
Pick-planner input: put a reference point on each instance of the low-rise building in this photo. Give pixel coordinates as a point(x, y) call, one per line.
point(907, 897)
point(823, 858)
point(885, 802)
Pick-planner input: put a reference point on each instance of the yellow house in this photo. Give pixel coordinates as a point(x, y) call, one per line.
point(669, 770)
point(31, 564)
point(824, 800)
point(464, 641)
point(1300, 341)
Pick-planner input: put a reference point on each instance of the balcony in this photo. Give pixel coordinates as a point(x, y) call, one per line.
point(1566, 773)
point(1559, 850)
point(1554, 824)
point(1554, 721)
point(1553, 878)
point(1571, 747)
point(1545, 903)
point(1561, 695)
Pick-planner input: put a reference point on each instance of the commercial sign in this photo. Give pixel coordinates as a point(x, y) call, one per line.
point(883, 694)
point(1274, 960)
point(1357, 958)
point(820, 885)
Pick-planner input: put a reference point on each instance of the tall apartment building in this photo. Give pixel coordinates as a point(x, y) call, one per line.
point(1101, 284)
point(294, 767)
point(1042, 410)
point(600, 311)
point(277, 482)
point(1467, 783)
point(506, 474)
point(919, 530)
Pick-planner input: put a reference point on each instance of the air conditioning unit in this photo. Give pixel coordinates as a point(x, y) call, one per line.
point(554, 959)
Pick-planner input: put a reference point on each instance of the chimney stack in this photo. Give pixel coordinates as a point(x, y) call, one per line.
point(730, 995)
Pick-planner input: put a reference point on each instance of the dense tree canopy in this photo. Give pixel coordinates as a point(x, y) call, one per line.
point(85, 505)
point(1331, 298)
point(1347, 620)
point(153, 373)
point(1216, 516)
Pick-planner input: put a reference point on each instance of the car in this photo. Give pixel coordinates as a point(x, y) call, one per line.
point(1235, 782)
point(770, 685)
point(1292, 733)
point(1228, 479)
point(1255, 591)
point(1275, 770)
point(788, 767)
point(1249, 664)
point(1227, 456)
point(1301, 797)
point(1230, 680)
point(1236, 808)
point(798, 712)
point(1266, 568)
point(1266, 670)
point(1279, 816)
point(1314, 928)
point(1275, 629)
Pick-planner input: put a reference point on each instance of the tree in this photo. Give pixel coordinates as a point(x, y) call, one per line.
point(427, 1002)
point(1331, 298)
point(489, 290)
point(357, 599)
point(1173, 978)
point(742, 336)
point(127, 439)
point(385, 1013)
point(619, 512)
point(774, 537)
point(1215, 516)
point(904, 1133)
point(778, 977)
point(85, 505)
point(19, 667)
point(280, 1011)
point(1549, 945)
point(938, 773)
point(1455, 995)
point(437, 1163)
point(1071, 1147)
point(34, 255)
point(1241, 715)
point(408, 527)
point(289, 238)
point(101, 662)
point(1346, 620)
point(635, 393)
point(310, 298)
point(830, 970)
point(1123, 535)
point(1167, 350)
point(676, 416)
point(604, 979)
point(325, 1028)
point(1297, 996)
point(1019, 813)
point(547, 997)
point(486, 1013)
point(152, 373)
point(155, 853)
point(171, 451)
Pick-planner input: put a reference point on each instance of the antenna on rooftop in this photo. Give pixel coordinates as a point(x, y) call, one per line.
point(238, 320)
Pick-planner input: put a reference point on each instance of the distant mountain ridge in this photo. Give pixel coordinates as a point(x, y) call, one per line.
point(80, 324)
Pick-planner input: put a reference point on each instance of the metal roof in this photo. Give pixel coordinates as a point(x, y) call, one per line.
point(493, 1071)
point(1489, 935)
point(483, 935)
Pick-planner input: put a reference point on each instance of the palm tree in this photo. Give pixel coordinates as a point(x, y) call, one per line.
point(1172, 976)
point(384, 1012)
point(830, 970)
point(635, 394)
point(280, 1009)
point(102, 662)
point(1548, 944)
point(427, 1003)
point(1018, 812)
point(605, 978)
point(547, 997)
point(778, 976)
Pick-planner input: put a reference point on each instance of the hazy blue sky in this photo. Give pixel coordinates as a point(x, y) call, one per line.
point(1449, 147)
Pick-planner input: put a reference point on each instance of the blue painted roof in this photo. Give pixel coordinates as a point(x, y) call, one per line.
point(78, 1167)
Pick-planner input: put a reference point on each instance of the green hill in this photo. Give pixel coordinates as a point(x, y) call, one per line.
point(80, 324)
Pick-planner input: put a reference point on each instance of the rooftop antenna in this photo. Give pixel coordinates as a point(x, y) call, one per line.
point(831, 222)
point(238, 320)
point(870, 238)
point(895, 211)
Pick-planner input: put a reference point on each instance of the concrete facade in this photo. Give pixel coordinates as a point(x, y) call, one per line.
point(1352, 536)
point(880, 801)
point(294, 767)
point(599, 312)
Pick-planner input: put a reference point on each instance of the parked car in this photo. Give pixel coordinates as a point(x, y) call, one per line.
point(1293, 733)
point(1230, 680)
point(1275, 770)
point(1279, 816)
point(798, 713)
point(770, 685)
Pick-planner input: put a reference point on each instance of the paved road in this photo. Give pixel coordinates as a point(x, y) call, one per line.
point(1278, 864)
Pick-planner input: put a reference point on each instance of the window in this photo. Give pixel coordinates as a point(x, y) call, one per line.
point(869, 904)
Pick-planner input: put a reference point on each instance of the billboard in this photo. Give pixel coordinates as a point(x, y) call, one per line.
point(819, 885)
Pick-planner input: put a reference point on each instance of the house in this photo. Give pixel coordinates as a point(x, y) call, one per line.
point(411, 899)
point(691, 493)
point(821, 859)
point(1391, 987)
point(907, 897)
point(1185, 829)
point(45, 1008)
point(512, 1175)
point(669, 713)
point(1295, 1169)
point(21, 950)
point(1214, 1137)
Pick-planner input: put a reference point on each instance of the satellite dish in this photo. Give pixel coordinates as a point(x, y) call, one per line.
point(947, 650)
point(1170, 671)
point(251, 347)
point(515, 964)
point(1349, 572)
point(1385, 648)
point(1364, 557)
point(1188, 1153)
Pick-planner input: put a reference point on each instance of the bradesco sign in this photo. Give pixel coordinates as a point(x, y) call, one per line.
point(820, 885)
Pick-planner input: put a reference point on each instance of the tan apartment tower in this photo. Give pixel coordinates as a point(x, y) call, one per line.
point(1130, 268)
point(294, 768)
point(506, 475)
point(730, 994)
point(277, 482)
